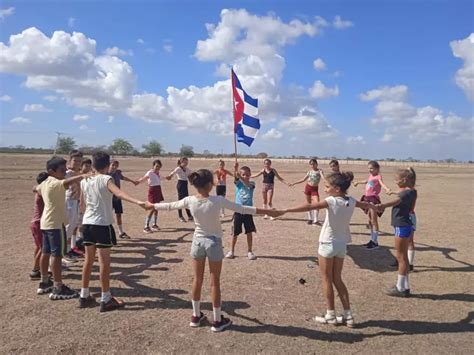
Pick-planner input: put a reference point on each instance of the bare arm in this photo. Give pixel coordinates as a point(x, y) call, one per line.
point(74, 179)
point(129, 180)
point(279, 177)
point(170, 175)
point(256, 176)
point(300, 181)
point(390, 204)
point(229, 173)
point(143, 178)
point(387, 189)
point(122, 195)
point(361, 182)
point(308, 207)
point(366, 205)
point(82, 203)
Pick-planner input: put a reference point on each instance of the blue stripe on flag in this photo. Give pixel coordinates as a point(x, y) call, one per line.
point(242, 138)
point(251, 121)
point(237, 82)
point(250, 100)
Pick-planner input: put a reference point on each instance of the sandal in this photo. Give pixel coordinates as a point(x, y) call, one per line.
point(325, 319)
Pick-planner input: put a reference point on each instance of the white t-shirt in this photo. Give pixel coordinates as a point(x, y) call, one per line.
point(206, 212)
point(181, 173)
point(153, 178)
point(98, 200)
point(338, 217)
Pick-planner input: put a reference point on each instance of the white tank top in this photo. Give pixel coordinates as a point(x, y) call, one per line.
point(98, 201)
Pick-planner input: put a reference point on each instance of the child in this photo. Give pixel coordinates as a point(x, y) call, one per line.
point(311, 189)
point(182, 172)
point(372, 191)
point(244, 189)
point(96, 201)
point(53, 192)
point(72, 205)
point(221, 175)
point(117, 175)
point(268, 184)
point(155, 195)
point(333, 239)
point(334, 165)
point(36, 229)
point(85, 169)
point(402, 206)
point(207, 241)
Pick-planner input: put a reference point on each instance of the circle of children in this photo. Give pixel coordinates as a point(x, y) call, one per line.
point(80, 196)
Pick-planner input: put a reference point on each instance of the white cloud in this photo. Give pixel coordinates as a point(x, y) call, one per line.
point(272, 134)
point(35, 108)
point(20, 120)
point(115, 51)
point(464, 49)
point(168, 48)
point(5, 98)
point(309, 121)
point(341, 24)
point(4, 13)
point(140, 41)
point(356, 140)
point(69, 66)
point(50, 98)
point(81, 117)
point(83, 127)
point(110, 119)
point(71, 22)
point(320, 91)
point(416, 125)
point(319, 64)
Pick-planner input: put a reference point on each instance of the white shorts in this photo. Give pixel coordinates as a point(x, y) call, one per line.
point(72, 210)
point(332, 249)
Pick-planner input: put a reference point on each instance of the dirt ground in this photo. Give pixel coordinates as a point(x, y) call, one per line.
point(269, 308)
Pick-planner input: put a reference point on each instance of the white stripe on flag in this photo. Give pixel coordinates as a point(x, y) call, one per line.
point(250, 131)
point(250, 110)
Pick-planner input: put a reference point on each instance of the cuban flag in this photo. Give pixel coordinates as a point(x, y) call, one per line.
point(246, 123)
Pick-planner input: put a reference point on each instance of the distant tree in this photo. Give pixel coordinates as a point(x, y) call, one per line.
point(450, 160)
point(186, 151)
point(262, 155)
point(120, 146)
point(65, 145)
point(153, 148)
point(206, 153)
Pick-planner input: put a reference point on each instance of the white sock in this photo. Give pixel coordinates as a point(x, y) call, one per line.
point(196, 308)
point(374, 235)
point(347, 313)
point(330, 313)
point(120, 228)
point(264, 207)
point(85, 292)
point(106, 297)
point(401, 282)
point(316, 216)
point(406, 285)
point(147, 221)
point(310, 215)
point(73, 242)
point(411, 256)
point(217, 314)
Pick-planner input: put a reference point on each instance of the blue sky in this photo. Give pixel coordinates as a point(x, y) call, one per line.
point(412, 61)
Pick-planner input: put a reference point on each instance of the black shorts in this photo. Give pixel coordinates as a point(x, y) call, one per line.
point(54, 241)
point(99, 236)
point(182, 187)
point(246, 220)
point(117, 205)
point(221, 190)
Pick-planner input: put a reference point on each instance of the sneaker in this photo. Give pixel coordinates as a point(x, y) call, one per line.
point(65, 264)
point(190, 218)
point(220, 326)
point(111, 305)
point(87, 302)
point(147, 230)
point(251, 256)
point(309, 222)
point(411, 267)
point(372, 245)
point(326, 319)
point(394, 264)
point(63, 293)
point(222, 215)
point(265, 217)
point(124, 236)
point(181, 219)
point(196, 321)
point(229, 255)
point(316, 223)
point(77, 252)
point(394, 292)
point(35, 275)
point(347, 320)
point(367, 244)
point(70, 258)
point(155, 228)
point(45, 287)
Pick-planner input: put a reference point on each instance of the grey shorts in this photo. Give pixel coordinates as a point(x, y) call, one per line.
point(210, 247)
point(332, 249)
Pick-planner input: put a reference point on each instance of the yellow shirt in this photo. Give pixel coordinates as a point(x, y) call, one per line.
point(54, 214)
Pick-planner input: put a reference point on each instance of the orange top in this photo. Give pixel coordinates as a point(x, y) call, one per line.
point(221, 176)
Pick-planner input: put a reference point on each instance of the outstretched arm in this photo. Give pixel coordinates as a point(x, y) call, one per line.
point(308, 207)
point(75, 179)
point(300, 181)
point(355, 183)
point(366, 206)
point(279, 177)
point(170, 175)
point(387, 189)
point(168, 206)
point(256, 176)
point(229, 173)
point(122, 195)
point(129, 180)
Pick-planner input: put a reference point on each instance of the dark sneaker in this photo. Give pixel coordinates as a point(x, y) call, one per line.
point(394, 264)
point(394, 292)
point(220, 326)
point(77, 252)
point(111, 305)
point(87, 302)
point(147, 230)
point(196, 321)
point(190, 218)
point(63, 293)
point(411, 267)
point(45, 287)
point(124, 236)
point(372, 245)
point(35, 275)
point(70, 258)
point(155, 228)
point(309, 222)
point(367, 244)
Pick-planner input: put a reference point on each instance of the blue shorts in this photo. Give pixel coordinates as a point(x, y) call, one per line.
point(413, 220)
point(404, 231)
point(54, 241)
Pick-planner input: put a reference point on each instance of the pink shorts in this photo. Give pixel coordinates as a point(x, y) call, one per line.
point(154, 194)
point(267, 187)
point(36, 233)
point(310, 190)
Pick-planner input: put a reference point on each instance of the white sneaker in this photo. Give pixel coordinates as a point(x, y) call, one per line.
point(251, 256)
point(229, 255)
point(265, 217)
point(222, 215)
point(272, 218)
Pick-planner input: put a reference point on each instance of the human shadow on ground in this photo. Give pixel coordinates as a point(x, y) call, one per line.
point(446, 252)
point(464, 297)
point(377, 260)
point(290, 258)
point(292, 219)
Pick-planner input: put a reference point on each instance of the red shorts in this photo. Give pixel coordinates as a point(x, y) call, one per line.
point(36, 233)
point(154, 194)
point(310, 190)
point(372, 199)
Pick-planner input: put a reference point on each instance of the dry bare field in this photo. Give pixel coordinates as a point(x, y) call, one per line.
point(269, 308)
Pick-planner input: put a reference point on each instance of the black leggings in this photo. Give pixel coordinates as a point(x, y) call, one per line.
point(182, 188)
